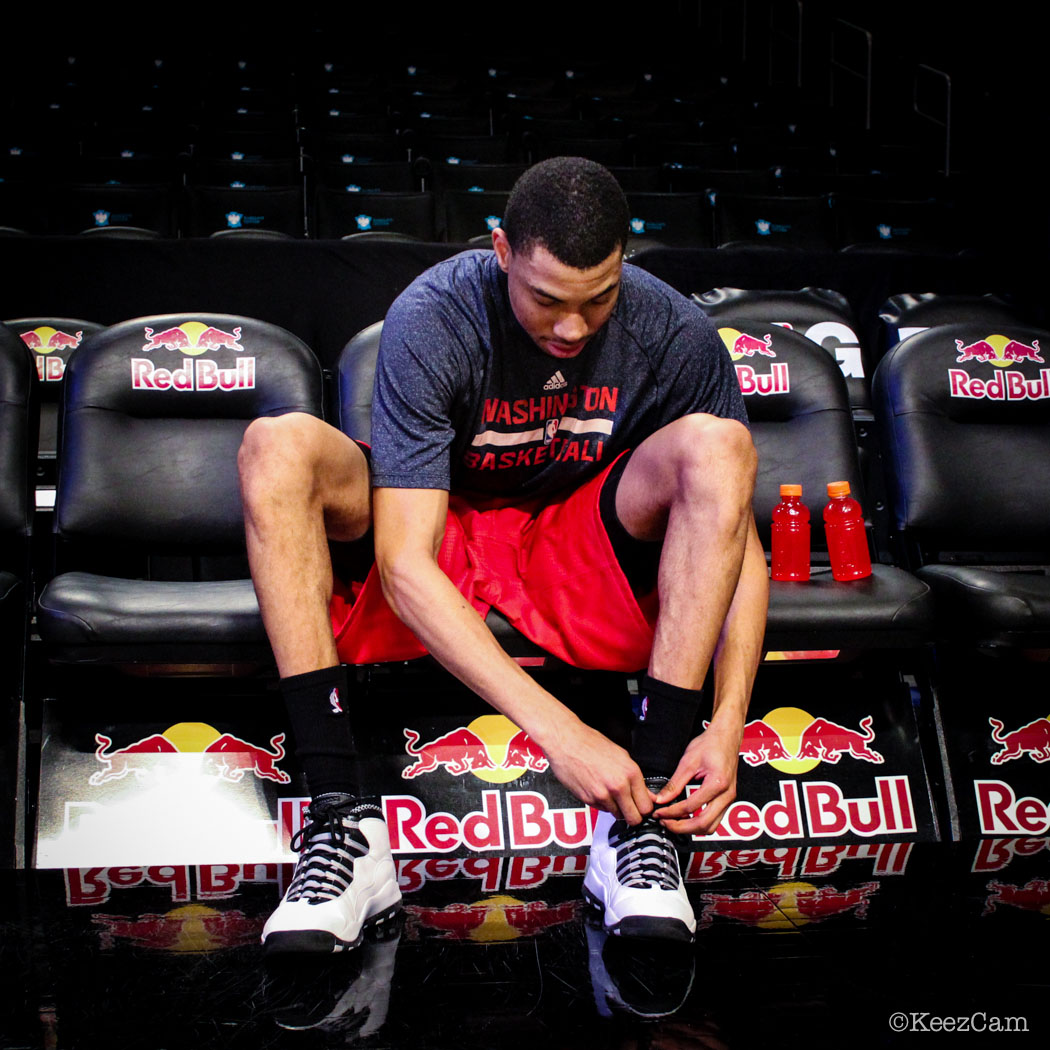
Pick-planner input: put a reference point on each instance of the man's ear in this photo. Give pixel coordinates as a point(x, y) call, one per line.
point(501, 246)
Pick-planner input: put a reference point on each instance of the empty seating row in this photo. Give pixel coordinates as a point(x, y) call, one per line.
point(697, 220)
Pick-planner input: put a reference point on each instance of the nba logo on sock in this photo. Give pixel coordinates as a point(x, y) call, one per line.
point(333, 699)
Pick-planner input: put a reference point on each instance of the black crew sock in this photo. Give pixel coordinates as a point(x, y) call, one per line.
point(318, 709)
point(663, 726)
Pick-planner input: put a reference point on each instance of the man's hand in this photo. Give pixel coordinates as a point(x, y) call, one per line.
point(713, 756)
point(599, 772)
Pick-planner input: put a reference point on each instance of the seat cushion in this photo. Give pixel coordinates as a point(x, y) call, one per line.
point(151, 619)
point(890, 607)
point(989, 602)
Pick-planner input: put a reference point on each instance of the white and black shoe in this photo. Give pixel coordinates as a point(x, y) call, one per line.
point(634, 880)
point(344, 881)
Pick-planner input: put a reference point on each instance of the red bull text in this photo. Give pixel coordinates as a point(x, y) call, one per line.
point(1001, 812)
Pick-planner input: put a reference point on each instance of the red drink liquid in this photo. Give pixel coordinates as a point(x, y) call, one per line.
point(847, 540)
point(790, 536)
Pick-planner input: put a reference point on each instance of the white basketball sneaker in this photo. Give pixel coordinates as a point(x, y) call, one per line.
point(634, 880)
point(344, 880)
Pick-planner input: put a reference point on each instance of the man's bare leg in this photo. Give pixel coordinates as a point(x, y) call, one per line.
point(691, 484)
point(302, 483)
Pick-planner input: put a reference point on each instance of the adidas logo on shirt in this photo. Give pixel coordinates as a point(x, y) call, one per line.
point(556, 382)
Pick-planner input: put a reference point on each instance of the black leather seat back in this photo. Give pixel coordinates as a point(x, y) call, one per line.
point(965, 415)
point(820, 314)
point(153, 416)
point(17, 438)
point(357, 369)
point(52, 340)
point(908, 313)
point(799, 411)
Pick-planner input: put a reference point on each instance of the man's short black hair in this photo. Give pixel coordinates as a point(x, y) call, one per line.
point(574, 207)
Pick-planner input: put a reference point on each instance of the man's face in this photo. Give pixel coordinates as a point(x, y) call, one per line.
point(559, 307)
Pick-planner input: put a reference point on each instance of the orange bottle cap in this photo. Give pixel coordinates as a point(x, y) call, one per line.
point(838, 488)
point(790, 490)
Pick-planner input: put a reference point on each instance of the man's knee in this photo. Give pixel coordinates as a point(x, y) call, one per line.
point(272, 444)
point(711, 451)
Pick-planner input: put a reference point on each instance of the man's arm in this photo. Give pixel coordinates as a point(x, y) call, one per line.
point(409, 528)
point(714, 754)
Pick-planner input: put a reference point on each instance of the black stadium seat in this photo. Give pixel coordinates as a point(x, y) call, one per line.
point(342, 214)
point(820, 314)
point(965, 420)
point(800, 417)
point(148, 521)
point(52, 340)
point(17, 441)
point(907, 313)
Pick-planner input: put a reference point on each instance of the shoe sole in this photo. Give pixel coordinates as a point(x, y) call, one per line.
point(320, 942)
point(642, 927)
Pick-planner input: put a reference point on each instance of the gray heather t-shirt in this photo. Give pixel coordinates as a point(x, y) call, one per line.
point(464, 400)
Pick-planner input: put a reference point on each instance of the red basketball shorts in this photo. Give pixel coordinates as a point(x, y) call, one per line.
point(548, 568)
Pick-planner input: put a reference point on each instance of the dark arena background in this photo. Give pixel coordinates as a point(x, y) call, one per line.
point(223, 207)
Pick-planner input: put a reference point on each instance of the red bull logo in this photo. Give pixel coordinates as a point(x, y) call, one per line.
point(492, 747)
point(741, 345)
point(192, 339)
point(192, 929)
point(92, 887)
point(495, 919)
point(793, 741)
point(1032, 740)
point(226, 756)
point(1001, 812)
point(1033, 896)
point(517, 820)
point(789, 862)
point(821, 809)
point(999, 853)
point(787, 906)
point(43, 341)
point(1001, 352)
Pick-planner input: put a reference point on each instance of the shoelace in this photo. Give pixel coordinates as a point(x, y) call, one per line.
point(327, 845)
point(645, 856)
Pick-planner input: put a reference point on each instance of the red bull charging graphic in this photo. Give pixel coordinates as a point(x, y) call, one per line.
point(491, 747)
point(224, 755)
point(192, 339)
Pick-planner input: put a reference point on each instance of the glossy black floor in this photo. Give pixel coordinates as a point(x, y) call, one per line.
point(935, 943)
point(881, 941)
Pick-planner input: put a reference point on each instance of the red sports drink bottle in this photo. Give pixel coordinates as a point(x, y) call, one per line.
point(847, 540)
point(790, 536)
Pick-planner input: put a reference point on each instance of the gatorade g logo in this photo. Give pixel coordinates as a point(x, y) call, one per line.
point(193, 339)
point(741, 345)
point(1000, 385)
